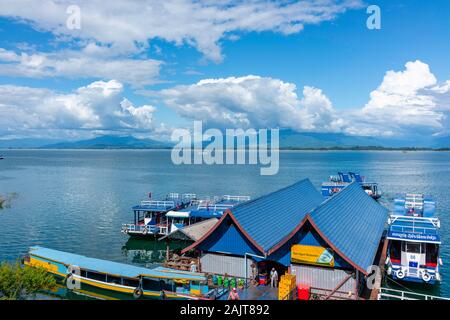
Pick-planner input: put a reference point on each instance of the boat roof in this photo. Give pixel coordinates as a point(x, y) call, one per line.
point(171, 201)
point(112, 268)
point(414, 229)
point(347, 178)
point(208, 209)
point(415, 204)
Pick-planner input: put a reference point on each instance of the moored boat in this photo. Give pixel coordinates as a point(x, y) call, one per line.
point(414, 240)
point(160, 218)
point(138, 282)
point(339, 182)
point(150, 215)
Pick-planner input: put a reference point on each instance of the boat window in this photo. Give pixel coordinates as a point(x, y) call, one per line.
point(413, 247)
point(114, 279)
point(432, 253)
point(96, 276)
point(395, 250)
point(151, 284)
point(83, 273)
point(130, 282)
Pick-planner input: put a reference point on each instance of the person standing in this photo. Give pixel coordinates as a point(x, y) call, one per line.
point(233, 295)
point(274, 278)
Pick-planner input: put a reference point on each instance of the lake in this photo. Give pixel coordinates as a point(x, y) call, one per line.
point(77, 200)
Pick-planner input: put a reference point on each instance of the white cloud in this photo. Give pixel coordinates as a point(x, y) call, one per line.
point(128, 25)
point(252, 101)
point(407, 102)
point(98, 106)
point(92, 62)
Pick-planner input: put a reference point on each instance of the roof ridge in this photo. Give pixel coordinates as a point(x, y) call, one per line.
point(268, 194)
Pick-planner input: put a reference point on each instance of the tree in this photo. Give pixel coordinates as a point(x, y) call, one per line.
point(21, 282)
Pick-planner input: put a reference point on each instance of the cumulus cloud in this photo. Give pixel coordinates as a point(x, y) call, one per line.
point(252, 101)
point(126, 26)
point(92, 62)
point(97, 106)
point(406, 102)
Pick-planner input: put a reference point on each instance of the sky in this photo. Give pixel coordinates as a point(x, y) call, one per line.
point(78, 69)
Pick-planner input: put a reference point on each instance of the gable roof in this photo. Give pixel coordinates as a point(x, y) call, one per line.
point(266, 220)
point(352, 223)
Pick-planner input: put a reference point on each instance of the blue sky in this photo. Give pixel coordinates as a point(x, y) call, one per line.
point(144, 70)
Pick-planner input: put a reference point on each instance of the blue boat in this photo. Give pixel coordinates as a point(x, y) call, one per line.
point(79, 273)
point(339, 182)
point(414, 240)
point(159, 218)
point(150, 215)
point(200, 210)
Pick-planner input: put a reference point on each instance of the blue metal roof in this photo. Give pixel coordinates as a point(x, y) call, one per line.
point(353, 223)
point(110, 267)
point(270, 218)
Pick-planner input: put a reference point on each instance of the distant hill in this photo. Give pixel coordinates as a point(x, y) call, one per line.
point(109, 142)
point(292, 139)
point(28, 143)
point(288, 140)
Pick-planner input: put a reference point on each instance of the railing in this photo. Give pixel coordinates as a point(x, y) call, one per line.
point(414, 220)
point(145, 229)
point(158, 204)
point(236, 198)
point(322, 294)
point(393, 294)
point(214, 207)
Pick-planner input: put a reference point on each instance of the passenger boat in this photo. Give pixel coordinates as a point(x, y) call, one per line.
point(150, 215)
point(337, 183)
point(414, 240)
point(200, 210)
point(162, 218)
point(137, 282)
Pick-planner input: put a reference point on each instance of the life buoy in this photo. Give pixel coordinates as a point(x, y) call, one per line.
point(137, 293)
point(400, 274)
point(426, 276)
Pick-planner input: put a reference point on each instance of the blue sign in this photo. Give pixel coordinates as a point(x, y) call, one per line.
point(407, 236)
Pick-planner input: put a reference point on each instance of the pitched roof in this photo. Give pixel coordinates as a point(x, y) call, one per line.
point(267, 220)
point(270, 218)
point(352, 223)
point(193, 232)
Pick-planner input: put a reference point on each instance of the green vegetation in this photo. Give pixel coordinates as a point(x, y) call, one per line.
point(19, 282)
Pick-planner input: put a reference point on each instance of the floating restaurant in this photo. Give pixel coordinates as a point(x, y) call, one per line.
point(329, 245)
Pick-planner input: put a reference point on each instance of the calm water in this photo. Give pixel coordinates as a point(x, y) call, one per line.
point(77, 200)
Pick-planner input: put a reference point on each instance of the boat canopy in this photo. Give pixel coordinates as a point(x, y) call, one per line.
point(112, 268)
point(414, 229)
point(415, 204)
point(178, 214)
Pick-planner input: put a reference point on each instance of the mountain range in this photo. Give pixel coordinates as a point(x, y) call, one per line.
point(288, 140)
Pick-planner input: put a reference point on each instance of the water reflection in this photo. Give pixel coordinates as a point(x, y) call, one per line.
point(150, 252)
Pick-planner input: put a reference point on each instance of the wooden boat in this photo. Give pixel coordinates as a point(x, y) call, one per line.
point(137, 282)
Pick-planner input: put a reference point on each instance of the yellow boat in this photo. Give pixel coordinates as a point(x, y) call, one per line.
point(139, 282)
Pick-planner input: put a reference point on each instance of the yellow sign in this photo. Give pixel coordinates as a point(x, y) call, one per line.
point(312, 255)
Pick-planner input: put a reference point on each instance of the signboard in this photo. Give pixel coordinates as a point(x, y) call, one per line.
point(314, 255)
point(407, 236)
